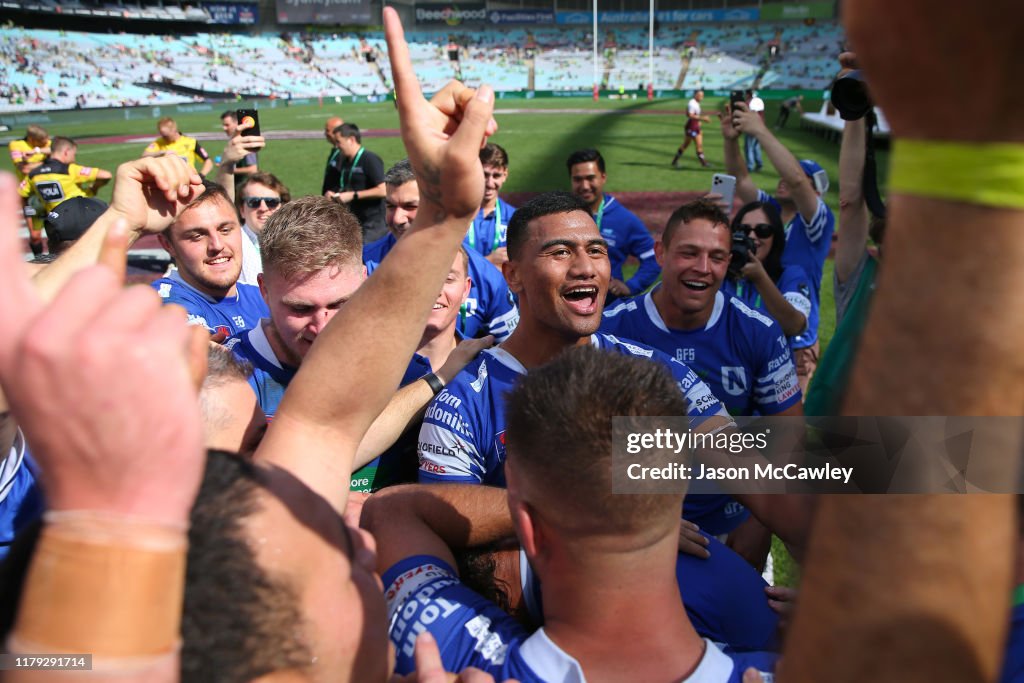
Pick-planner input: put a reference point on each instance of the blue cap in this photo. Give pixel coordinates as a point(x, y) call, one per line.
point(817, 174)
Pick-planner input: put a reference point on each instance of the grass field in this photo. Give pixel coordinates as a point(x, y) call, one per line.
point(637, 139)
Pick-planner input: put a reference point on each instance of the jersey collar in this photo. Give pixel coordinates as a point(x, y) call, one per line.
point(550, 662)
point(652, 311)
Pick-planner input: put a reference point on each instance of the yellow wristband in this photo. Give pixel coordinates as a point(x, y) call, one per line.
point(987, 174)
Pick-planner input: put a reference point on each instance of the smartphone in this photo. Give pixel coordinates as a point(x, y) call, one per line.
point(724, 185)
point(251, 118)
point(734, 97)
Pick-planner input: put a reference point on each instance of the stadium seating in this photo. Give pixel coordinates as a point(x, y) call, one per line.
point(45, 69)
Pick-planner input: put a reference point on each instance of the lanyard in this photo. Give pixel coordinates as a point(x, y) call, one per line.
point(347, 173)
point(600, 214)
point(1018, 595)
point(739, 293)
point(497, 225)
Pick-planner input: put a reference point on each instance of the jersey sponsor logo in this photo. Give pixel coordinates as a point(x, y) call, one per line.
point(432, 467)
point(783, 344)
point(85, 171)
point(778, 362)
point(221, 329)
point(442, 415)
point(194, 319)
point(470, 307)
point(447, 399)
point(686, 382)
point(436, 449)
point(499, 445)
point(701, 398)
point(238, 320)
point(734, 380)
point(50, 191)
point(165, 290)
point(481, 377)
point(488, 643)
point(786, 387)
point(686, 355)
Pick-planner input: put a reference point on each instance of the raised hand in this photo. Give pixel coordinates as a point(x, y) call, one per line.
point(102, 382)
point(443, 137)
point(149, 193)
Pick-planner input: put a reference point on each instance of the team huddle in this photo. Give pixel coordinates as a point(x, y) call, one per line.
point(388, 407)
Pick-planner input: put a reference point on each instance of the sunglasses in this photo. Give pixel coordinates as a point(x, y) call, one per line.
point(762, 230)
point(254, 202)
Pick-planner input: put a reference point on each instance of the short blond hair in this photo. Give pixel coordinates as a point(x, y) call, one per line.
point(308, 235)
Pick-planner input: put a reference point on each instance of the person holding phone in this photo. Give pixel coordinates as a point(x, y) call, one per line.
point(250, 164)
point(763, 282)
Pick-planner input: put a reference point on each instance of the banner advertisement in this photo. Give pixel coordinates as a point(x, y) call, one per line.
point(668, 16)
point(521, 16)
point(232, 13)
point(807, 10)
point(324, 12)
point(452, 14)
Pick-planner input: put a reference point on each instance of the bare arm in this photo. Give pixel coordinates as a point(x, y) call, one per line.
point(433, 519)
point(146, 196)
point(405, 408)
point(956, 358)
point(746, 190)
point(800, 187)
point(792, 321)
point(853, 212)
point(319, 425)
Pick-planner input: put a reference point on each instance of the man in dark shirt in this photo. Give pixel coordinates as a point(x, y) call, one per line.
point(361, 174)
point(331, 180)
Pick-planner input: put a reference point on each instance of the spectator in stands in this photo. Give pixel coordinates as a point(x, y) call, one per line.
point(259, 196)
point(172, 141)
point(810, 223)
point(488, 233)
point(693, 131)
point(588, 547)
point(489, 308)
point(786, 108)
point(751, 147)
point(58, 179)
point(332, 178)
point(625, 234)
point(361, 182)
point(248, 165)
point(205, 241)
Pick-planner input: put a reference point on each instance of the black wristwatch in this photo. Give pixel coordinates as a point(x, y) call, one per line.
point(355, 196)
point(434, 382)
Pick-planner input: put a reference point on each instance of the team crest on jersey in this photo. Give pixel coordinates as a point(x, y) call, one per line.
point(734, 380)
point(481, 377)
point(499, 445)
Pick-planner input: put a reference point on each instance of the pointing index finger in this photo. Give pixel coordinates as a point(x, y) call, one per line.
point(407, 87)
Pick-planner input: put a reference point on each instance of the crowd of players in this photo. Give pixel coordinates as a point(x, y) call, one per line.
point(219, 496)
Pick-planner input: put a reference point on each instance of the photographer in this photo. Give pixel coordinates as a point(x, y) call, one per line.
point(757, 275)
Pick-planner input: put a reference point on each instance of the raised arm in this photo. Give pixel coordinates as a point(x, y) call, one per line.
point(853, 212)
point(800, 187)
point(319, 424)
point(948, 357)
point(148, 194)
point(746, 190)
point(236, 150)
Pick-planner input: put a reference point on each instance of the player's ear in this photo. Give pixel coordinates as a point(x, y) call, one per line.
point(659, 253)
point(166, 244)
point(511, 272)
point(263, 288)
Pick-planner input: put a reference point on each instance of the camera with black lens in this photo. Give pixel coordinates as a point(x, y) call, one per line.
point(850, 96)
point(742, 250)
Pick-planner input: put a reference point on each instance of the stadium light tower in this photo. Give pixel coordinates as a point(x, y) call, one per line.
point(597, 68)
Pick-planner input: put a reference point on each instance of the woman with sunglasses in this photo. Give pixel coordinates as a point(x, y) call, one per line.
point(763, 283)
